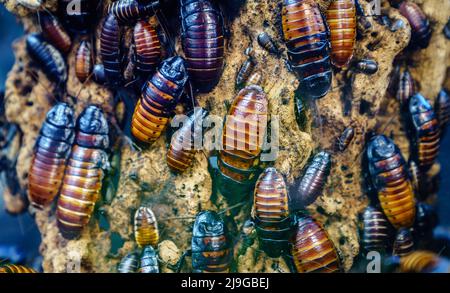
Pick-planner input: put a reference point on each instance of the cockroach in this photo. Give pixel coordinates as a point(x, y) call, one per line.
point(79, 18)
point(48, 57)
point(202, 32)
point(149, 261)
point(426, 221)
point(146, 227)
point(312, 248)
point(420, 25)
point(420, 261)
point(84, 173)
point(99, 74)
point(211, 249)
point(403, 243)
point(376, 231)
point(148, 47)
point(406, 87)
point(54, 32)
point(345, 138)
point(127, 11)
point(306, 37)
point(83, 61)
point(51, 153)
point(129, 263)
point(367, 66)
point(388, 179)
point(442, 108)
point(266, 42)
point(424, 131)
point(313, 180)
point(416, 176)
point(237, 166)
point(246, 68)
point(341, 19)
point(16, 269)
point(110, 50)
point(180, 155)
point(159, 98)
point(271, 213)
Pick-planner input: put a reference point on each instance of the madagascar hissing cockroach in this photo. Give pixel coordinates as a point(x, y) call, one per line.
point(129, 263)
point(145, 227)
point(160, 96)
point(246, 68)
point(186, 141)
point(405, 88)
point(345, 138)
point(313, 180)
point(98, 74)
point(271, 213)
point(202, 33)
point(341, 20)
point(426, 221)
point(83, 61)
point(127, 11)
point(424, 131)
point(79, 17)
point(16, 269)
point(306, 37)
point(403, 243)
point(375, 230)
point(83, 177)
point(388, 180)
point(266, 42)
point(149, 261)
point(420, 25)
point(211, 248)
point(54, 32)
point(51, 153)
point(110, 50)
point(147, 47)
point(312, 248)
point(442, 109)
point(416, 176)
point(420, 261)
point(367, 66)
point(48, 57)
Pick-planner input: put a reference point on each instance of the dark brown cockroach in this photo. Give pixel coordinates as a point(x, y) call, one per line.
point(148, 47)
point(49, 58)
point(145, 227)
point(312, 249)
point(345, 139)
point(149, 261)
point(246, 68)
point(16, 269)
point(271, 213)
point(416, 175)
point(99, 74)
point(84, 173)
point(442, 108)
point(54, 32)
point(406, 87)
point(388, 179)
point(403, 243)
point(376, 231)
point(202, 32)
point(129, 263)
point(50, 157)
point(367, 66)
point(266, 42)
point(420, 25)
point(423, 130)
point(313, 180)
point(159, 98)
point(83, 61)
point(341, 19)
point(185, 142)
point(110, 50)
point(127, 11)
point(426, 221)
point(306, 37)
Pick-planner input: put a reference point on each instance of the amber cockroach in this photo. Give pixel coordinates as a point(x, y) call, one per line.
point(149, 261)
point(345, 138)
point(51, 153)
point(406, 87)
point(110, 50)
point(306, 37)
point(127, 11)
point(442, 108)
point(420, 25)
point(246, 68)
point(388, 179)
point(184, 141)
point(54, 32)
point(202, 33)
point(266, 42)
point(160, 96)
point(421, 261)
point(376, 230)
point(403, 243)
point(312, 248)
point(84, 173)
point(83, 61)
point(147, 47)
point(129, 263)
point(367, 66)
point(16, 269)
point(146, 227)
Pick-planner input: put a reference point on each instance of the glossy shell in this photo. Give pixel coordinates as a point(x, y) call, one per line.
point(265, 41)
point(16, 269)
point(145, 227)
point(367, 66)
point(345, 139)
point(110, 50)
point(406, 87)
point(131, 10)
point(148, 47)
point(83, 61)
point(149, 261)
point(420, 25)
point(129, 264)
point(54, 32)
point(375, 232)
point(404, 243)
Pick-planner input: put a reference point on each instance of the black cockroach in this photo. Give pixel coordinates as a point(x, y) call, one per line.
point(147, 47)
point(110, 50)
point(266, 41)
point(54, 32)
point(79, 16)
point(149, 261)
point(145, 227)
point(405, 88)
point(99, 74)
point(83, 61)
point(367, 66)
point(426, 221)
point(306, 37)
point(83, 177)
point(246, 68)
point(345, 138)
point(375, 230)
point(49, 58)
point(442, 109)
point(403, 243)
point(129, 263)
point(202, 32)
point(420, 25)
point(211, 249)
point(16, 269)
point(127, 11)
point(51, 153)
